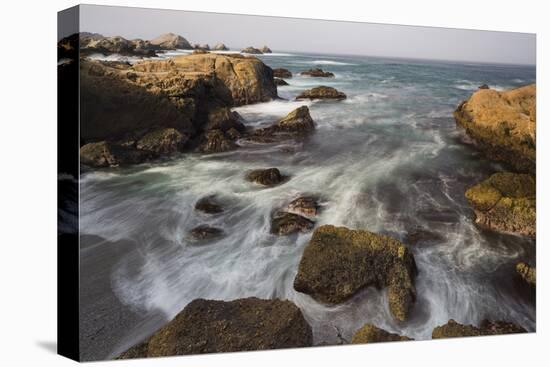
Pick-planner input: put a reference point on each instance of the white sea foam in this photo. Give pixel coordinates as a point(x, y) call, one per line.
point(325, 62)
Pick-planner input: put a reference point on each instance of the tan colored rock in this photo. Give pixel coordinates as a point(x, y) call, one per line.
point(162, 141)
point(216, 141)
point(251, 50)
point(453, 329)
point(266, 177)
point(170, 41)
point(322, 92)
point(217, 326)
point(505, 202)
point(371, 334)
point(284, 223)
point(503, 124)
point(105, 154)
point(317, 72)
point(339, 262)
point(303, 205)
point(527, 273)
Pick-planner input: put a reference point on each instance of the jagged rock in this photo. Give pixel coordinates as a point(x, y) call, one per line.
point(279, 82)
point(266, 177)
point(303, 205)
point(171, 41)
point(453, 329)
point(503, 125)
point(251, 50)
point(505, 202)
point(208, 205)
point(527, 273)
point(299, 120)
point(483, 86)
point(215, 141)
point(284, 223)
point(220, 47)
point(339, 262)
point(224, 119)
point(205, 232)
point(265, 50)
point(321, 92)
point(282, 73)
point(163, 141)
point(217, 326)
point(371, 334)
point(105, 154)
point(316, 72)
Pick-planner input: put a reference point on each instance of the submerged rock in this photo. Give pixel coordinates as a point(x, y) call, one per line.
point(284, 223)
point(215, 141)
point(303, 205)
point(422, 236)
point(339, 262)
point(371, 334)
point(205, 232)
point(321, 92)
point(527, 273)
point(282, 73)
point(163, 141)
point(505, 202)
point(279, 82)
point(317, 72)
point(208, 205)
point(503, 125)
point(251, 50)
point(248, 324)
point(266, 177)
point(453, 329)
point(105, 154)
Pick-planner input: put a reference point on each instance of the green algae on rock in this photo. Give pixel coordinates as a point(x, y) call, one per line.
point(372, 334)
point(453, 329)
point(339, 262)
point(505, 202)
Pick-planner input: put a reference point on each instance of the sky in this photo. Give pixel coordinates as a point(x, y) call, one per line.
point(313, 36)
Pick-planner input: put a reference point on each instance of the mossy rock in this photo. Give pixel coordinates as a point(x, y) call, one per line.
point(163, 141)
point(107, 154)
point(339, 262)
point(216, 141)
point(505, 202)
point(453, 329)
point(371, 334)
point(527, 273)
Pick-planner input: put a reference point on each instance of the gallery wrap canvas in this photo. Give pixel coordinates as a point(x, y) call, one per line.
point(235, 183)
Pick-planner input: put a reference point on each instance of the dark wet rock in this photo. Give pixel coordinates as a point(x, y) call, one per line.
point(505, 202)
point(224, 119)
point(105, 154)
point(266, 177)
point(233, 134)
point(483, 86)
point(316, 72)
point(248, 324)
point(527, 273)
point(303, 205)
point(279, 82)
point(299, 120)
point(322, 92)
point(282, 73)
point(171, 41)
point(503, 125)
point(284, 223)
point(265, 50)
point(208, 205)
point(205, 232)
point(371, 334)
point(453, 329)
point(216, 141)
point(422, 236)
point(252, 50)
point(163, 141)
point(339, 262)
point(220, 47)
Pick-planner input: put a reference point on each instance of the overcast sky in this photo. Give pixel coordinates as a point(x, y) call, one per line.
point(313, 36)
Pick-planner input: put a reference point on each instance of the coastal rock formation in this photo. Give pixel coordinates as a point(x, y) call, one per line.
point(338, 262)
point(505, 202)
point(483, 86)
point(266, 177)
point(502, 124)
point(224, 119)
point(317, 72)
point(282, 73)
point(303, 205)
point(91, 43)
point(216, 141)
point(162, 141)
point(279, 82)
point(371, 334)
point(527, 273)
point(206, 326)
point(171, 41)
point(220, 47)
point(265, 50)
point(208, 205)
point(298, 120)
point(199, 51)
point(205, 232)
point(284, 223)
point(321, 92)
point(251, 50)
point(453, 329)
point(106, 154)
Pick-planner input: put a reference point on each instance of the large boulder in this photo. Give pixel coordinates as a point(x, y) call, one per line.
point(106, 154)
point(266, 177)
point(503, 124)
point(317, 72)
point(505, 202)
point(304, 205)
point(284, 223)
point(297, 122)
point(453, 329)
point(216, 141)
point(220, 47)
point(282, 73)
point(248, 324)
point(224, 119)
point(322, 92)
point(171, 41)
point(371, 334)
point(339, 262)
point(162, 141)
point(251, 50)
point(527, 273)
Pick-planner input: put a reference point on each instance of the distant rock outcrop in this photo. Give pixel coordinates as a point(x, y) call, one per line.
point(453, 329)
point(265, 50)
point(171, 41)
point(220, 47)
point(317, 72)
point(371, 334)
point(218, 326)
point(251, 50)
point(503, 125)
point(279, 82)
point(322, 92)
point(282, 73)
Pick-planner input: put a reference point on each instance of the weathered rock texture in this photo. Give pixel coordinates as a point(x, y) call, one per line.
point(284, 223)
point(339, 262)
point(282, 73)
point(208, 205)
point(505, 202)
point(371, 334)
point(303, 205)
point(251, 50)
point(316, 72)
point(527, 273)
point(297, 123)
point(503, 125)
point(266, 177)
point(321, 92)
point(453, 329)
point(216, 326)
point(170, 41)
